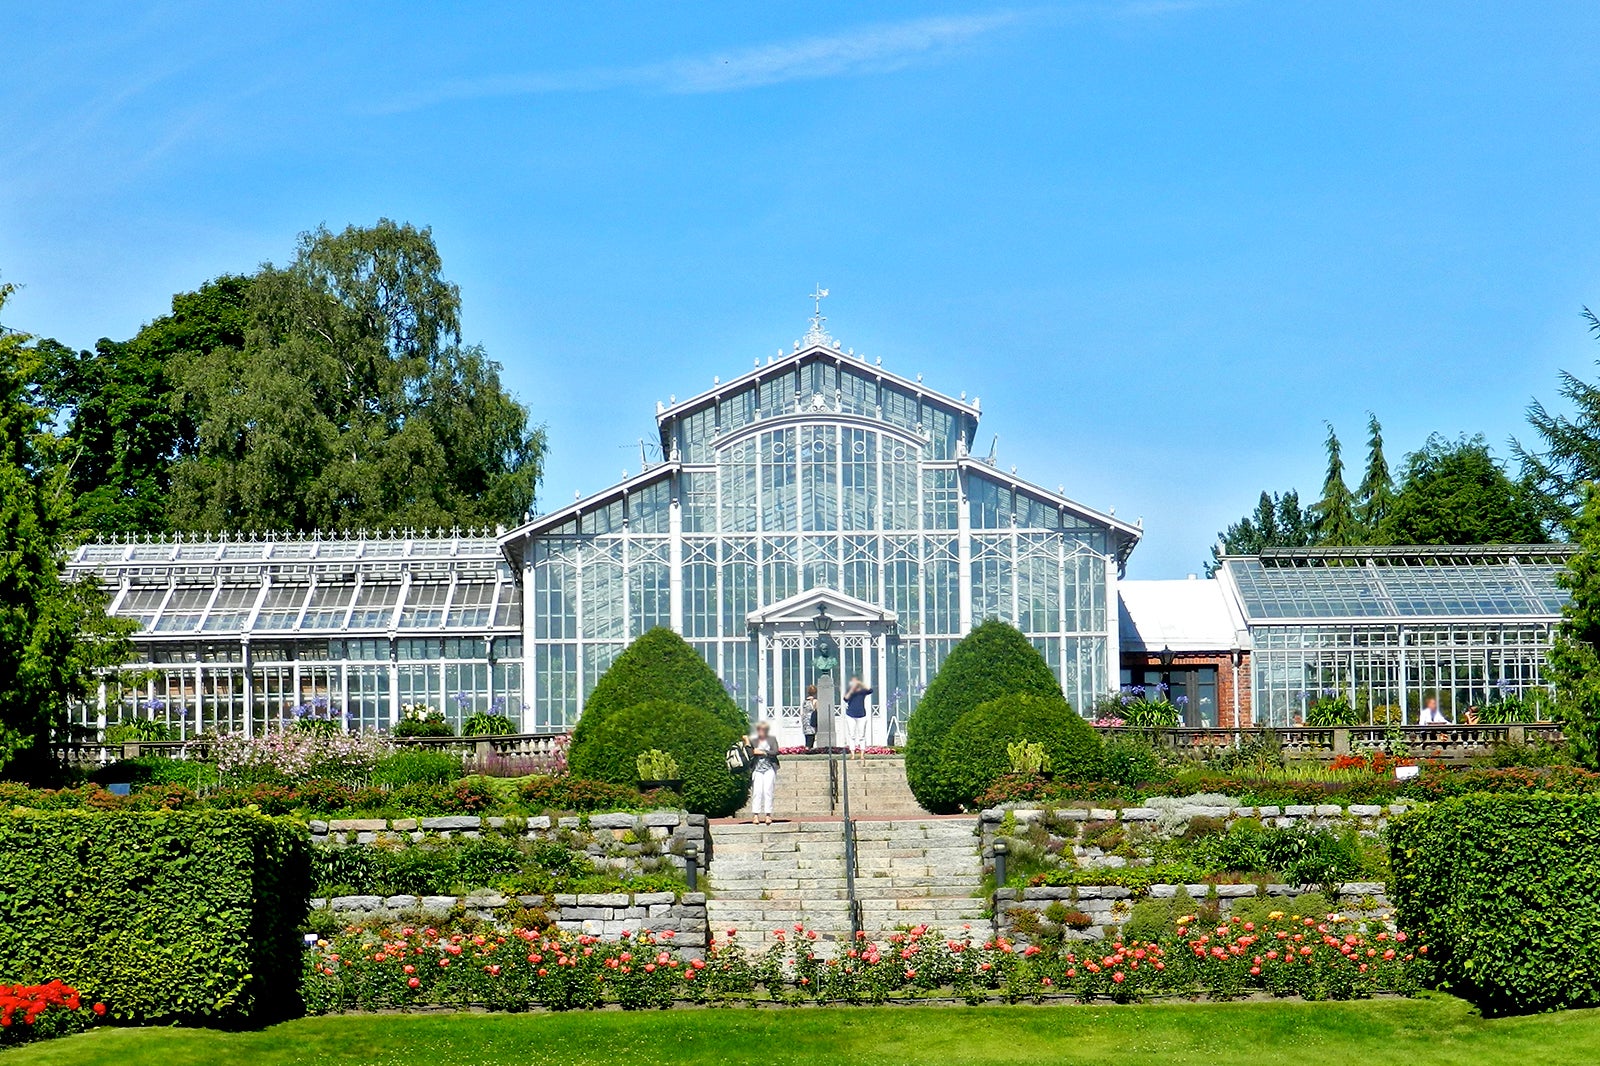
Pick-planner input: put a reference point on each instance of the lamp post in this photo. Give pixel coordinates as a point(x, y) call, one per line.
point(825, 662)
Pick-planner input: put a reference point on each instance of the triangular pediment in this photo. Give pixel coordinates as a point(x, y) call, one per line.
point(802, 610)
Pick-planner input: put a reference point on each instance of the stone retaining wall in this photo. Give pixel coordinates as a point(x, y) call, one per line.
point(606, 915)
point(1109, 906)
point(627, 844)
point(1070, 830)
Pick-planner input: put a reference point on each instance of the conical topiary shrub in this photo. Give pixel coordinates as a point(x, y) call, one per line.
point(696, 740)
point(660, 665)
point(994, 660)
point(976, 751)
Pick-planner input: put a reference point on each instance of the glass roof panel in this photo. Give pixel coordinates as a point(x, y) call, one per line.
point(508, 612)
point(329, 605)
point(1397, 590)
point(424, 607)
point(375, 605)
point(232, 609)
point(471, 603)
point(142, 603)
point(184, 610)
point(281, 608)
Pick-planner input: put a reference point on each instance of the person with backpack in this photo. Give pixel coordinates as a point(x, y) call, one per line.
point(763, 772)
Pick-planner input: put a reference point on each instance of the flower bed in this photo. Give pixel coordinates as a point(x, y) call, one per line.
point(29, 1012)
point(1353, 785)
point(398, 968)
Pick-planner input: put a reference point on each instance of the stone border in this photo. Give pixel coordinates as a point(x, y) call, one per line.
point(606, 915)
point(618, 841)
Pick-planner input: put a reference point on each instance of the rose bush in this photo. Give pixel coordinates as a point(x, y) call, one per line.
point(29, 1012)
point(1335, 957)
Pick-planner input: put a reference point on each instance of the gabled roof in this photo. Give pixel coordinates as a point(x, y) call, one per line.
point(802, 608)
point(666, 413)
point(512, 540)
point(1127, 535)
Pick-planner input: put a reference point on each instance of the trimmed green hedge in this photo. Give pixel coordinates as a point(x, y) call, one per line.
point(974, 754)
point(659, 665)
point(697, 739)
point(186, 916)
point(994, 660)
point(1505, 892)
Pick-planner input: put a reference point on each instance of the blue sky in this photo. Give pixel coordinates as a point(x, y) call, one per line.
point(1163, 241)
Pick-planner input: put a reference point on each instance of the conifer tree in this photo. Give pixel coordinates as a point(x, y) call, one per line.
point(1575, 657)
point(1335, 513)
point(1375, 496)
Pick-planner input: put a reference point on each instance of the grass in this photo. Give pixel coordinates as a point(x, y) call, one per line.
point(1425, 1032)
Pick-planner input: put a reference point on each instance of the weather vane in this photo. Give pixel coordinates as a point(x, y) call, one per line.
point(817, 319)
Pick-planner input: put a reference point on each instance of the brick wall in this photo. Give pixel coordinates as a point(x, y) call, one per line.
point(1139, 661)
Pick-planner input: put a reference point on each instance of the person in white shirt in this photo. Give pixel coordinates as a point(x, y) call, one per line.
point(1431, 715)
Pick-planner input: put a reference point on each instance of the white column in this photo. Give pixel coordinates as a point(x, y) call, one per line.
point(1113, 630)
point(964, 553)
point(675, 565)
point(881, 640)
point(764, 691)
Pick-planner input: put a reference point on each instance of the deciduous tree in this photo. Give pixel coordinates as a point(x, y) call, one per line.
point(55, 636)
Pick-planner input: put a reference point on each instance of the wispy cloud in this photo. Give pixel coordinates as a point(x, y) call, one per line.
point(865, 50)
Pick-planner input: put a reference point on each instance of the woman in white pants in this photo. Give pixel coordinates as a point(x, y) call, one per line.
point(855, 717)
point(763, 772)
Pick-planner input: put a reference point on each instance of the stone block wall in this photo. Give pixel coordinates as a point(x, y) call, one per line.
point(624, 843)
point(1106, 907)
point(607, 915)
point(1070, 831)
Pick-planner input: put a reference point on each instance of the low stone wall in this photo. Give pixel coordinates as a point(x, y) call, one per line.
point(1019, 912)
point(627, 844)
point(606, 915)
point(1073, 830)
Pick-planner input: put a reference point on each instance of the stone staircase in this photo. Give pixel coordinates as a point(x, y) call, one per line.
point(910, 871)
point(878, 788)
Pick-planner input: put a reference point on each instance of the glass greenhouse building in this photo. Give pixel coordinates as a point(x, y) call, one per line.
point(1387, 628)
point(815, 481)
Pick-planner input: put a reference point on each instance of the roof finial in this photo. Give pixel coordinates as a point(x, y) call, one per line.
point(817, 334)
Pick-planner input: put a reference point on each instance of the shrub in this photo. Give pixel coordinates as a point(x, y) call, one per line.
point(420, 720)
point(660, 665)
point(697, 739)
point(975, 753)
point(993, 660)
point(36, 1012)
point(187, 916)
point(485, 724)
point(139, 729)
point(410, 766)
point(1133, 760)
point(575, 794)
point(1506, 890)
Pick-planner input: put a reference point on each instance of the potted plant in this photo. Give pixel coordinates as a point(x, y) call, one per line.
point(658, 769)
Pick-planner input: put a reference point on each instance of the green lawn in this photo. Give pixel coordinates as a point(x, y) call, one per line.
point(1412, 1033)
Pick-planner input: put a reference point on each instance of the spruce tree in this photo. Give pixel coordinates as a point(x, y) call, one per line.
point(1335, 513)
point(1575, 656)
point(1375, 496)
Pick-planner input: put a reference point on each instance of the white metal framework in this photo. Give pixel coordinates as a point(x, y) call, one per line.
point(241, 634)
point(1389, 627)
point(816, 473)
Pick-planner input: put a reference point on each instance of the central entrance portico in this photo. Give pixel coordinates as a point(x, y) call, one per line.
point(858, 634)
